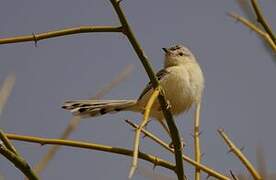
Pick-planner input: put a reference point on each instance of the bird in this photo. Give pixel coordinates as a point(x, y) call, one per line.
point(181, 79)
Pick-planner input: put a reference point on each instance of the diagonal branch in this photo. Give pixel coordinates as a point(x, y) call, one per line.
point(58, 33)
point(5, 90)
point(99, 147)
point(206, 169)
point(254, 28)
point(74, 122)
point(9, 152)
point(240, 155)
point(139, 129)
point(19, 162)
point(162, 100)
point(261, 19)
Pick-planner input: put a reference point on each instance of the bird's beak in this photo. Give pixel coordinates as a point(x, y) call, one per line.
point(165, 50)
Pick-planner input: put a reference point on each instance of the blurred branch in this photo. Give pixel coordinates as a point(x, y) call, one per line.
point(150, 174)
point(240, 155)
point(61, 32)
point(123, 75)
point(85, 145)
point(75, 121)
point(139, 129)
point(261, 161)
point(19, 162)
point(162, 100)
point(4, 94)
point(254, 28)
point(6, 90)
point(261, 19)
point(204, 168)
point(246, 9)
point(196, 139)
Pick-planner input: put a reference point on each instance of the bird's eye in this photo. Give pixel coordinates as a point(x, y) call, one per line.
point(181, 54)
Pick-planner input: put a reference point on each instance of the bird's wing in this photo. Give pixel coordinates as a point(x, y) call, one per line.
point(160, 75)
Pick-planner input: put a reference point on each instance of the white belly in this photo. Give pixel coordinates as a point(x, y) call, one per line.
point(182, 86)
point(178, 90)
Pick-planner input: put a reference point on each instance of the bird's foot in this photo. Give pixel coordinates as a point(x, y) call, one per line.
point(183, 144)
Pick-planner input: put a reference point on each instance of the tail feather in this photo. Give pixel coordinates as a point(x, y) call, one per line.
point(90, 108)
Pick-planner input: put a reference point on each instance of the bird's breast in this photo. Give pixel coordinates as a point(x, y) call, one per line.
point(182, 87)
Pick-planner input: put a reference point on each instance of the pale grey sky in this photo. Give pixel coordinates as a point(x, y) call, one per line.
point(239, 95)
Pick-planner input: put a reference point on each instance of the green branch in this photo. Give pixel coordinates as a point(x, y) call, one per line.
point(164, 105)
point(19, 162)
point(7, 143)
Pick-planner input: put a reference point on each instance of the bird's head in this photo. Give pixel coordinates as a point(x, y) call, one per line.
point(178, 55)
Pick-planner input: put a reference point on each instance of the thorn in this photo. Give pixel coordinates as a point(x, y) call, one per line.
point(191, 134)
point(229, 151)
point(144, 136)
point(208, 176)
point(242, 148)
point(200, 132)
point(233, 175)
point(202, 155)
point(155, 162)
point(35, 39)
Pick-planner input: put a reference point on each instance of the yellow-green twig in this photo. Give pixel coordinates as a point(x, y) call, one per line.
point(261, 19)
point(99, 147)
point(240, 155)
point(7, 143)
point(196, 139)
point(204, 168)
point(19, 162)
point(61, 32)
point(74, 122)
point(139, 129)
point(254, 28)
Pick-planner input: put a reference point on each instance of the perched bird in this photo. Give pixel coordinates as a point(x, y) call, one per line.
point(181, 79)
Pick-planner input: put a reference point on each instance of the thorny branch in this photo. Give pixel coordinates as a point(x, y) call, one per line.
point(85, 145)
point(240, 155)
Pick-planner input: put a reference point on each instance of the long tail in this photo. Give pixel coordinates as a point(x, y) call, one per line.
point(91, 108)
